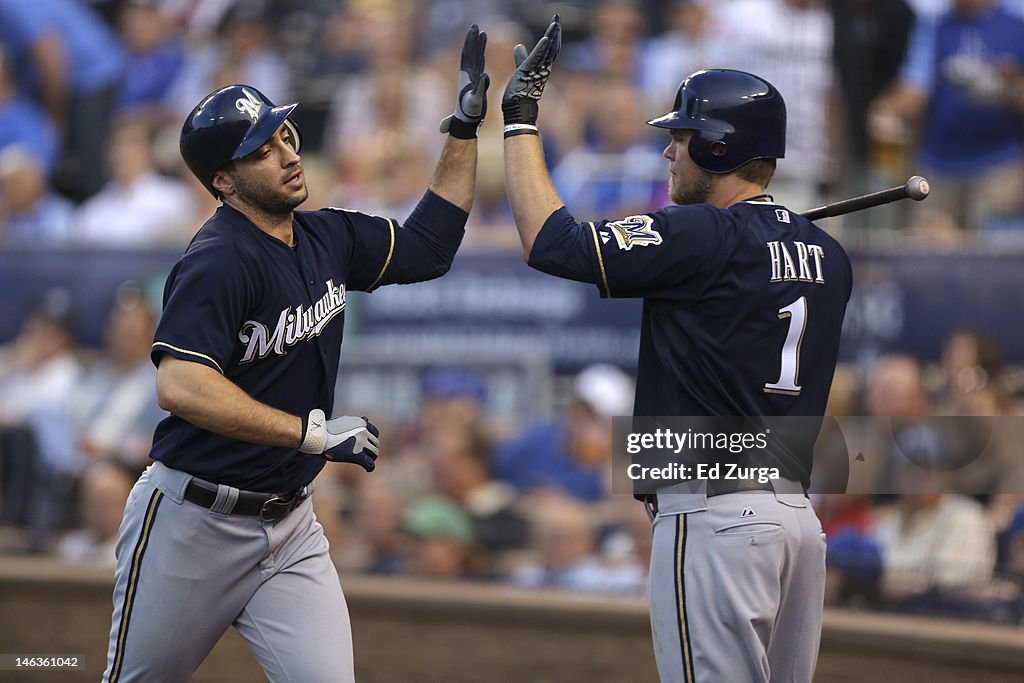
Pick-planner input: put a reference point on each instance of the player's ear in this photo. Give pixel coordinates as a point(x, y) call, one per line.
point(222, 183)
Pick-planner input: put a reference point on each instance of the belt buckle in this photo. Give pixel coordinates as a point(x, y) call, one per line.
point(276, 508)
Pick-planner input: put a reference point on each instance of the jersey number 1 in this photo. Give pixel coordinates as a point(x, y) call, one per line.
point(786, 384)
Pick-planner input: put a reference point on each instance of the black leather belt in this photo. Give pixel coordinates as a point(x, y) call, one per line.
point(718, 487)
point(268, 507)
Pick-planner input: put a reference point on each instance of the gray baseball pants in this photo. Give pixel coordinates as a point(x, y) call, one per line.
point(737, 586)
point(186, 573)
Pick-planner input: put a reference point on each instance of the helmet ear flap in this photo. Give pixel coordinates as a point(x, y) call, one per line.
point(709, 151)
point(294, 131)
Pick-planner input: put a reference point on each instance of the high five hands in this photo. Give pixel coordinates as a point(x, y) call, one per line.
point(523, 92)
point(471, 99)
point(519, 102)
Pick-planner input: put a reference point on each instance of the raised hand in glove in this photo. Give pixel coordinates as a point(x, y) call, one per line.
point(471, 101)
point(519, 102)
point(343, 439)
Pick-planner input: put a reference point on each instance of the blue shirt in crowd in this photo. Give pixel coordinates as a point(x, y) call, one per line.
point(23, 123)
point(964, 135)
point(541, 459)
point(151, 76)
point(93, 53)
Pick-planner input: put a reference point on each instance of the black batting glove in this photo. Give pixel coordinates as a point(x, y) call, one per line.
point(522, 94)
point(471, 101)
point(343, 439)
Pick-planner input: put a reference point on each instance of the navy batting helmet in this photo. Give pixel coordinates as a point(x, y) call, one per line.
point(736, 117)
point(229, 124)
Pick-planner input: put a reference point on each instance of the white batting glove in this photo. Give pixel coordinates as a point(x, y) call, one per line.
point(343, 439)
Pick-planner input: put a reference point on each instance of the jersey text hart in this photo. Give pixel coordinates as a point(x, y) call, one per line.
point(292, 326)
point(805, 267)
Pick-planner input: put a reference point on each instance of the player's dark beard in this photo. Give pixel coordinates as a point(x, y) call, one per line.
point(266, 198)
point(696, 192)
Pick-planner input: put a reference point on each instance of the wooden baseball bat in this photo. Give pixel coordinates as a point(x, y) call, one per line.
point(915, 188)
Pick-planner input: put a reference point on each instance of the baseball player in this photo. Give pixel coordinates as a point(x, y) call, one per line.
point(743, 305)
point(219, 531)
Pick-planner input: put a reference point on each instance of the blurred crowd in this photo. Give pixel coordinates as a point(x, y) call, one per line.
point(92, 97)
point(93, 94)
point(461, 495)
point(939, 525)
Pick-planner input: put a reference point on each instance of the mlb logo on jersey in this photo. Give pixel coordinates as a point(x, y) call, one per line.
point(782, 215)
point(635, 231)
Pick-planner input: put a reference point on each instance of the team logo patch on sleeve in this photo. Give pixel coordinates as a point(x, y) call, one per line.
point(635, 231)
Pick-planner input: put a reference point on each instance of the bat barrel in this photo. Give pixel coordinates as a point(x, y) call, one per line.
point(915, 188)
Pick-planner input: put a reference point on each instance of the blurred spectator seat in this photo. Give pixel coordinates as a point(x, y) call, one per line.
point(962, 77)
point(115, 412)
point(618, 170)
point(612, 48)
point(788, 42)
point(935, 540)
point(869, 44)
point(31, 212)
point(138, 207)
point(679, 51)
point(1012, 546)
point(572, 453)
point(22, 122)
point(64, 54)
point(103, 495)
point(156, 53)
point(440, 538)
point(563, 542)
point(382, 126)
point(853, 570)
point(242, 51)
point(38, 374)
point(459, 456)
point(366, 536)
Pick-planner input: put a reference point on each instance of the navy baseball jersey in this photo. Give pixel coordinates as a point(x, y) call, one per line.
point(742, 311)
point(269, 317)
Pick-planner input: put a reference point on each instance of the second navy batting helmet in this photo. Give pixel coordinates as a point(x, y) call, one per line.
point(229, 124)
point(736, 117)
